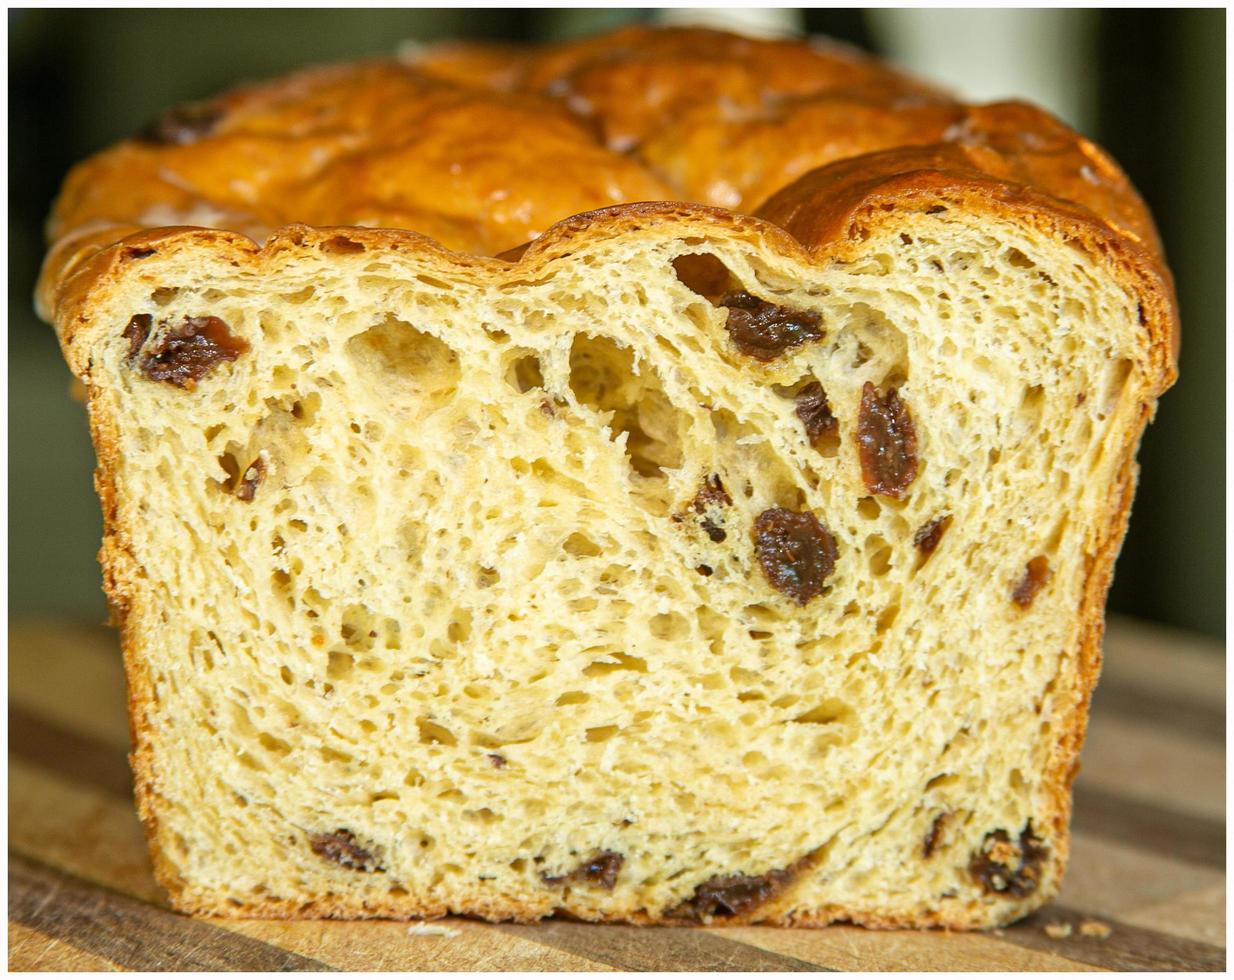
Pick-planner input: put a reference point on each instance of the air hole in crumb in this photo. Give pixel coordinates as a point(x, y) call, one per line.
point(1116, 377)
point(525, 373)
point(868, 508)
point(300, 295)
point(581, 546)
point(669, 626)
point(827, 712)
point(887, 618)
point(406, 360)
point(432, 733)
point(272, 744)
point(341, 245)
point(340, 665)
point(705, 274)
point(573, 697)
point(487, 577)
point(603, 377)
point(614, 662)
point(1018, 259)
point(459, 630)
point(602, 733)
point(880, 555)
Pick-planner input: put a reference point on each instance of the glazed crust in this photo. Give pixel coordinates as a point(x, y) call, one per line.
point(469, 151)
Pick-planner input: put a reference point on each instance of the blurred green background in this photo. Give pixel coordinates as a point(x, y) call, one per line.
point(1149, 85)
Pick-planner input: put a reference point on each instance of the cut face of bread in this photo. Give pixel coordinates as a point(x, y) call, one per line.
point(675, 572)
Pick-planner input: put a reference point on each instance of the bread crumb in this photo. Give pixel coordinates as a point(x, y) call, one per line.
point(431, 929)
point(1058, 930)
point(1095, 929)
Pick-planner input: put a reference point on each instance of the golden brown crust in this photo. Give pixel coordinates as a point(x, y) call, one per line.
point(479, 149)
point(484, 147)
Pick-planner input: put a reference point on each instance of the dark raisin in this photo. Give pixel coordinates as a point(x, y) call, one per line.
point(934, 834)
point(185, 353)
point(341, 848)
point(815, 413)
point(795, 551)
point(139, 253)
point(704, 570)
point(712, 495)
point(251, 479)
point(1036, 574)
point(1002, 867)
point(497, 759)
point(600, 871)
point(763, 330)
point(930, 534)
point(728, 895)
point(182, 125)
point(136, 332)
point(887, 442)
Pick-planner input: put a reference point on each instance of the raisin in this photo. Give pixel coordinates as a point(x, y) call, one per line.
point(181, 125)
point(1036, 574)
point(704, 570)
point(136, 332)
point(887, 442)
point(600, 870)
point(341, 848)
point(497, 759)
point(713, 492)
point(187, 352)
point(711, 496)
point(1002, 867)
point(728, 895)
point(795, 551)
point(764, 331)
point(935, 833)
point(815, 413)
point(251, 479)
point(930, 534)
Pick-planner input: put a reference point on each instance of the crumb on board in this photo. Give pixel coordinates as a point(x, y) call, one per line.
point(1058, 930)
point(431, 929)
point(1095, 929)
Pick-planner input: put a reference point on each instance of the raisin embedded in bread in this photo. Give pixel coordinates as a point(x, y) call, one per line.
point(685, 565)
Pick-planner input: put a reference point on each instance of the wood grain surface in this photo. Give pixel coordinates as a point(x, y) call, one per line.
point(1148, 857)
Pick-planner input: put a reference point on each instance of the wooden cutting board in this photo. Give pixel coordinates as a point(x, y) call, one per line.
point(1148, 857)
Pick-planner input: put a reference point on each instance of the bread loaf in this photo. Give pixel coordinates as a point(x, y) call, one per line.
point(734, 552)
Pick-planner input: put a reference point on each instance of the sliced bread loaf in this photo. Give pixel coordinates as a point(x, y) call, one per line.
point(685, 566)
